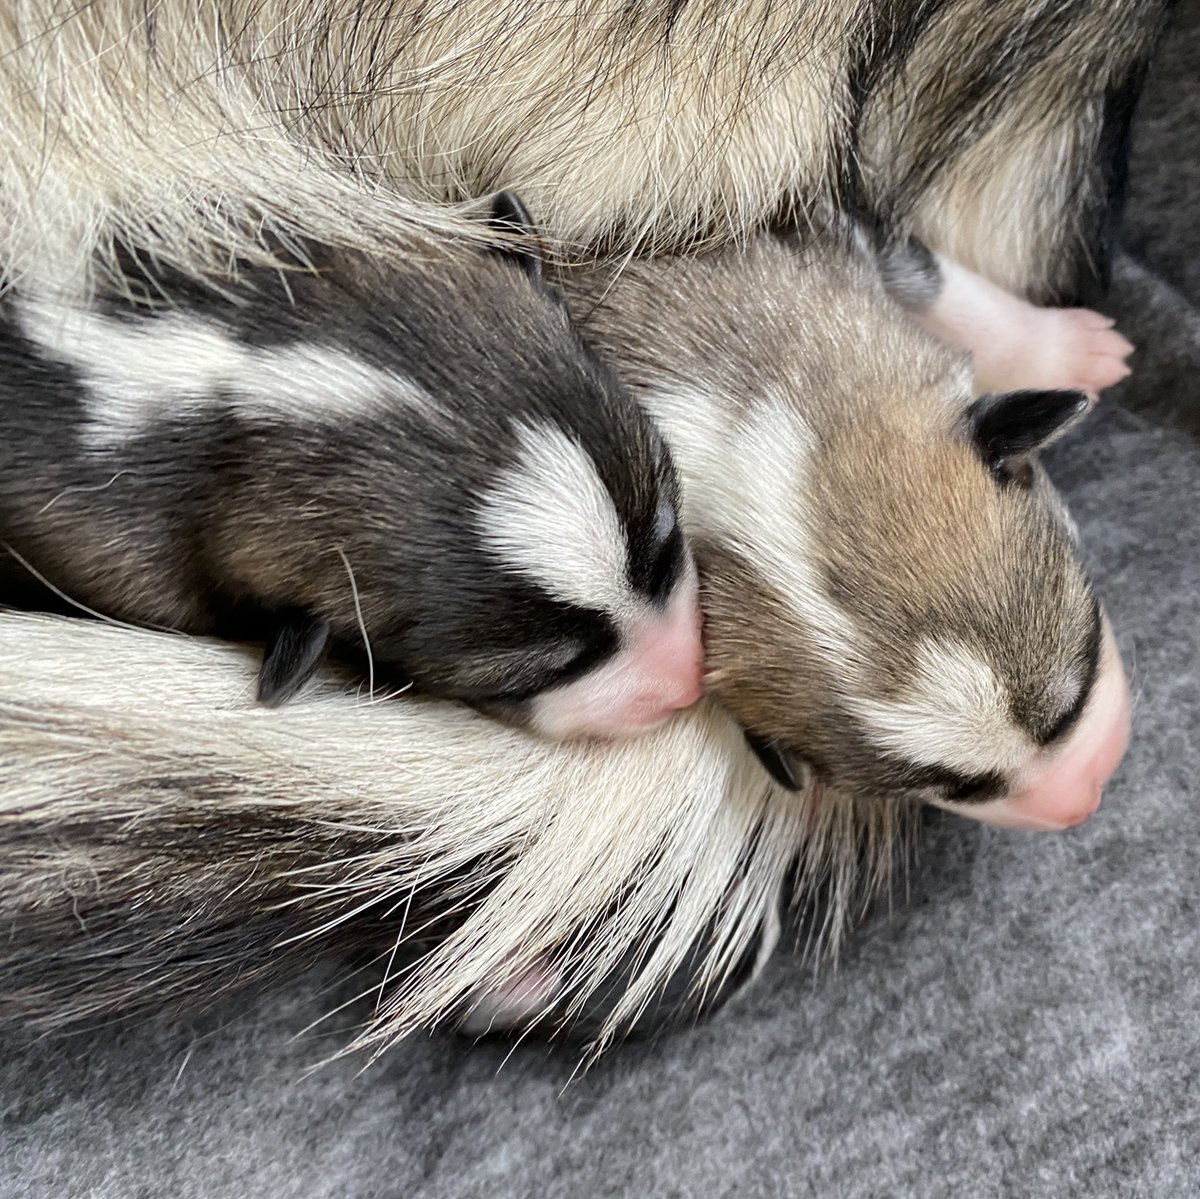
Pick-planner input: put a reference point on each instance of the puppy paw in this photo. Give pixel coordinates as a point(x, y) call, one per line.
point(1088, 353)
point(1071, 349)
point(512, 1003)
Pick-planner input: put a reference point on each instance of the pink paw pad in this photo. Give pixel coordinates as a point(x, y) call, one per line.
point(1017, 346)
point(1088, 353)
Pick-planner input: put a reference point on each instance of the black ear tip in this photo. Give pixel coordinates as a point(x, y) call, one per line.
point(1032, 400)
point(292, 656)
point(509, 209)
point(269, 695)
point(1011, 424)
point(510, 215)
point(1072, 401)
point(778, 763)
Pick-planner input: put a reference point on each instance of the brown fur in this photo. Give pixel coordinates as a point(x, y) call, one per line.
point(189, 125)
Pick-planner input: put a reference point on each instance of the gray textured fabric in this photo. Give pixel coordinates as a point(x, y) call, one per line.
point(1164, 220)
point(1025, 1022)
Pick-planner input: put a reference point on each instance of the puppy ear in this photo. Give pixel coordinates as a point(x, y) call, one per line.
point(1017, 423)
point(778, 763)
point(291, 657)
point(508, 214)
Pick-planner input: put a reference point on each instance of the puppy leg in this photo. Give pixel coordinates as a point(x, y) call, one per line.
point(1015, 345)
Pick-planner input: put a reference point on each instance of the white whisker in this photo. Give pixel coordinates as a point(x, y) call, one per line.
point(62, 595)
point(362, 626)
point(81, 489)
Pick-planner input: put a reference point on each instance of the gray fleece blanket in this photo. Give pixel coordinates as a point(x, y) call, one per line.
point(1024, 1020)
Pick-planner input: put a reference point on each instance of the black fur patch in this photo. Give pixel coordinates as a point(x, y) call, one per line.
point(953, 785)
point(1101, 220)
point(654, 569)
point(1090, 662)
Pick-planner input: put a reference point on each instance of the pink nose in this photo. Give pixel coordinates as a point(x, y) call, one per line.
point(670, 656)
point(1068, 791)
point(658, 670)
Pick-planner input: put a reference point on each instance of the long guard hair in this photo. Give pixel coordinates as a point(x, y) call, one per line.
point(995, 131)
point(165, 841)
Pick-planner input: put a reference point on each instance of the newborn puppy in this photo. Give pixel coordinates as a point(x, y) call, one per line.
point(895, 607)
point(893, 596)
point(418, 459)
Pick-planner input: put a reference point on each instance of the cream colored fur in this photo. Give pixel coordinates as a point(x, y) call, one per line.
point(203, 130)
point(191, 124)
point(396, 796)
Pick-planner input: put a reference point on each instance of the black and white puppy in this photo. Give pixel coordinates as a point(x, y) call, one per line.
point(418, 460)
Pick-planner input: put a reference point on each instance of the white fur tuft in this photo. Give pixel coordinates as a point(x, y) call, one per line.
point(552, 519)
point(137, 373)
point(955, 713)
point(305, 824)
point(746, 487)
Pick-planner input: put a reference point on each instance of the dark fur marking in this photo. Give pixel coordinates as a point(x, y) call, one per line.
point(878, 52)
point(1102, 217)
point(955, 786)
point(548, 622)
point(653, 570)
point(1070, 718)
point(234, 514)
point(909, 271)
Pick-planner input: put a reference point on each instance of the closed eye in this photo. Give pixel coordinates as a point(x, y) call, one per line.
point(975, 790)
point(555, 666)
point(664, 569)
point(580, 662)
point(1067, 721)
point(953, 786)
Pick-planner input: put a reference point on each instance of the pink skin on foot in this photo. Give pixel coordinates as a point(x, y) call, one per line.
point(514, 1001)
point(1016, 345)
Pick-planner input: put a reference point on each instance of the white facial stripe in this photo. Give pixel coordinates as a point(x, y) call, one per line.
point(552, 519)
point(138, 373)
point(743, 487)
point(954, 715)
